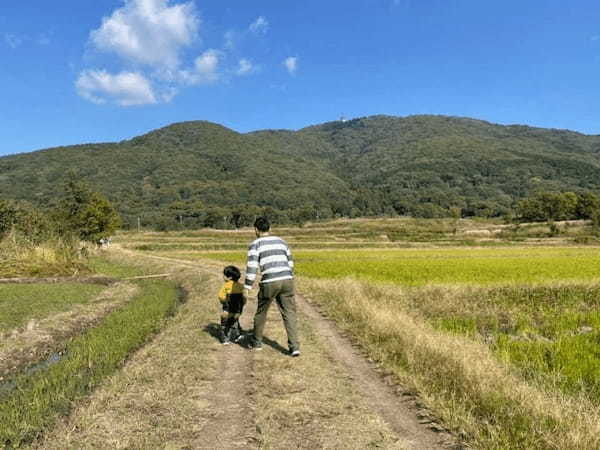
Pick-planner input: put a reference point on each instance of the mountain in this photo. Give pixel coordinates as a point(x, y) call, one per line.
point(201, 173)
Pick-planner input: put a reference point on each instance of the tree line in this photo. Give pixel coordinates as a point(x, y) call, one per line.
point(80, 213)
point(553, 206)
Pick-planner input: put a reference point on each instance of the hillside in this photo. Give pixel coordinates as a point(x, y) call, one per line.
point(201, 173)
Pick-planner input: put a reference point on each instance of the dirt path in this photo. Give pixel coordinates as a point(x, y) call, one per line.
point(232, 420)
point(186, 390)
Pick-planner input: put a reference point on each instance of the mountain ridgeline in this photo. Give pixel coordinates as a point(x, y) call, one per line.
point(198, 173)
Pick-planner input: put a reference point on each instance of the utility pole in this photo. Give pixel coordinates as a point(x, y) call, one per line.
point(139, 224)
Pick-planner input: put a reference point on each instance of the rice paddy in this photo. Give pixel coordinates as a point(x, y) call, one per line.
point(417, 267)
point(20, 303)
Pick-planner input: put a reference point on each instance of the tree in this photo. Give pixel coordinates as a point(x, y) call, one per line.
point(25, 219)
point(588, 205)
point(545, 206)
point(86, 213)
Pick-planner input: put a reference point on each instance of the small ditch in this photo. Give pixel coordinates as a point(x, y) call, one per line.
point(9, 385)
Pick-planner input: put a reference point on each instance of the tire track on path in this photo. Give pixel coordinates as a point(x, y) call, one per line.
point(231, 419)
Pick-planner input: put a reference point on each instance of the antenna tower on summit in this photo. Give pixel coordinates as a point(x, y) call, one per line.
point(343, 118)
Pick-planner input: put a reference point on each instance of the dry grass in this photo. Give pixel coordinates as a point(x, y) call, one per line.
point(18, 257)
point(460, 379)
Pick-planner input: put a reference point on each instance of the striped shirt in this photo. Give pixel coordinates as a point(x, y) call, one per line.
point(272, 256)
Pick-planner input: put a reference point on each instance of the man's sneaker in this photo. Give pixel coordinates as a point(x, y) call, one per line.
point(238, 338)
point(226, 341)
point(294, 353)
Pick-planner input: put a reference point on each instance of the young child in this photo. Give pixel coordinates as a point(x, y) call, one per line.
point(232, 300)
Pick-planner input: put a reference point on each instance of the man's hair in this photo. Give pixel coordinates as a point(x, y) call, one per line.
point(232, 272)
point(262, 224)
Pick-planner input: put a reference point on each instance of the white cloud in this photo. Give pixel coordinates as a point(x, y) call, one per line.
point(206, 66)
point(125, 88)
point(291, 64)
point(148, 32)
point(259, 26)
point(150, 43)
point(245, 67)
point(12, 40)
point(205, 69)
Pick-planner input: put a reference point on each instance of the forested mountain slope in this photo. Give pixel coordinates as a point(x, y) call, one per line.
point(201, 173)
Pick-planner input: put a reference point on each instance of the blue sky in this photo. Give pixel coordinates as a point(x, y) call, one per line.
point(106, 70)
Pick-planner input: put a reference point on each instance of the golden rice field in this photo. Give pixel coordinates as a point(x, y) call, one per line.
point(416, 267)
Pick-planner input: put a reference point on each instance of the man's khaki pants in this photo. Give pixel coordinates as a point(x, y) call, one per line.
point(283, 293)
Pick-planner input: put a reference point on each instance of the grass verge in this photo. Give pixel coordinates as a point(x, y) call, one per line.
point(549, 332)
point(41, 397)
point(462, 380)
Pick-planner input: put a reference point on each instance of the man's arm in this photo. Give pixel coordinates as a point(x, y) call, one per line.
point(251, 268)
point(290, 258)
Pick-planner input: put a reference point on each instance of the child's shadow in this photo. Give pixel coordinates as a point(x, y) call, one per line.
point(214, 329)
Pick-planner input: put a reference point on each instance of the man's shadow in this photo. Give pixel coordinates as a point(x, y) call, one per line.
point(214, 329)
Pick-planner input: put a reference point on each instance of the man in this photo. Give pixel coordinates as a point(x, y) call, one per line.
point(272, 256)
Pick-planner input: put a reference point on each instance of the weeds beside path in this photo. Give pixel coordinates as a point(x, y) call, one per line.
point(186, 390)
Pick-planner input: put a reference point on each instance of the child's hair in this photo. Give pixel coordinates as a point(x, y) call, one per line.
point(262, 224)
point(232, 272)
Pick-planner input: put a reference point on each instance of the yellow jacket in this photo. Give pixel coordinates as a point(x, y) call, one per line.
point(230, 288)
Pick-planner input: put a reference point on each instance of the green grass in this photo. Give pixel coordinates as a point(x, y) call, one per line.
point(41, 397)
point(550, 334)
point(115, 269)
point(21, 302)
point(416, 267)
